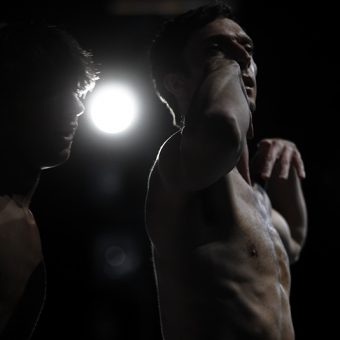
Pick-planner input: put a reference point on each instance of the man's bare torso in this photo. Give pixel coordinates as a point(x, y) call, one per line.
point(20, 255)
point(222, 269)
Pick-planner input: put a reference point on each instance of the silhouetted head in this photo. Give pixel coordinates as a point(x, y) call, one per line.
point(45, 74)
point(185, 45)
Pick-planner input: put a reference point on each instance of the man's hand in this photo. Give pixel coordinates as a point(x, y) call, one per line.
point(278, 154)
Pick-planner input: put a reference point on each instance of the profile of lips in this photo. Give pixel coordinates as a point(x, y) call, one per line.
point(68, 132)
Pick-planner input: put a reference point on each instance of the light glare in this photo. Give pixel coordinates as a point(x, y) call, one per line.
point(113, 108)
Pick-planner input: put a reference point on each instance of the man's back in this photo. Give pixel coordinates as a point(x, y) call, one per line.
point(222, 269)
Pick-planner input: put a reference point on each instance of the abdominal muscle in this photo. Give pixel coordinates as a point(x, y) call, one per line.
point(233, 281)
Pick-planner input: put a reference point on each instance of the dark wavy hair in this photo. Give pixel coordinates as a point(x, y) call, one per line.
point(32, 55)
point(166, 53)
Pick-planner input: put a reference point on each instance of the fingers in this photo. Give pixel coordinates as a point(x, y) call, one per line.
point(285, 162)
point(259, 160)
point(298, 163)
point(271, 152)
point(278, 154)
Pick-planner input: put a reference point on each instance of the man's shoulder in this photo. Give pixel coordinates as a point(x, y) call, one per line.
point(167, 163)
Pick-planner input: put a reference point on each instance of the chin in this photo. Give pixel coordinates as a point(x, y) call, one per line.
point(56, 160)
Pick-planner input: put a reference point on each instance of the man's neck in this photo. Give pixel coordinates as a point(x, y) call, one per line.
point(19, 182)
point(243, 164)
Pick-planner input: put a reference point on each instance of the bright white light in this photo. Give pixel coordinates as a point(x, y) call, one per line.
point(113, 108)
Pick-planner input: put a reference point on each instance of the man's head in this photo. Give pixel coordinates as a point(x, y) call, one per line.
point(181, 52)
point(45, 74)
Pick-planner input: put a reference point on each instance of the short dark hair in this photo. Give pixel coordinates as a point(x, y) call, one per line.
point(166, 53)
point(33, 54)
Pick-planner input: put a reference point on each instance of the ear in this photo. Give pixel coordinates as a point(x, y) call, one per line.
point(174, 83)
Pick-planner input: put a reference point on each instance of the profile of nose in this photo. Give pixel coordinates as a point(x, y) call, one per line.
point(72, 110)
point(81, 109)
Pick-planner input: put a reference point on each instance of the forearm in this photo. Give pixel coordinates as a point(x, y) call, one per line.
point(221, 97)
point(287, 198)
point(216, 126)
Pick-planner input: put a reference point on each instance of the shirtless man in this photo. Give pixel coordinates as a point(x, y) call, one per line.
point(222, 245)
point(44, 77)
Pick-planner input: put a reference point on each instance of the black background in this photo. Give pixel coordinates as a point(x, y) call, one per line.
point(95, 201)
